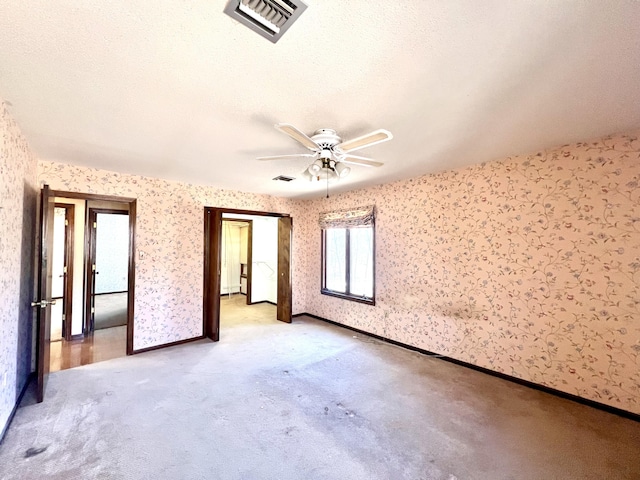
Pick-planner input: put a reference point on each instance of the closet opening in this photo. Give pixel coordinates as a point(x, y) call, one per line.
point(247, 268)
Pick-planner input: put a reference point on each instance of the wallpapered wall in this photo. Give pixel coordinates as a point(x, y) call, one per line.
point(18, 197)
point(169, 243)
point(528, 266)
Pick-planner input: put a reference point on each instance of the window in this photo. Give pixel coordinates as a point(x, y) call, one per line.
point(348, 258)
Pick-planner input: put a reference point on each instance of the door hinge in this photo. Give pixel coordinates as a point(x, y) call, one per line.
point(93, 309)
point(95, 224)
point(93, 267)
point(66, 222)
point(64, 269)
point(64, 317)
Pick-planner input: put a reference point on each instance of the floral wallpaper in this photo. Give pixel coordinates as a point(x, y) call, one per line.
point(18, 198)
point(169, 243)
point(528, 266)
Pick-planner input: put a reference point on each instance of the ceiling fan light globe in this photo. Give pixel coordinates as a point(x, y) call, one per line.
point(315, 167)
point(328, 174)
point(342, 170)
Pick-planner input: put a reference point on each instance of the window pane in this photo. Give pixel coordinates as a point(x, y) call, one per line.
point(336, 259)
point(361, 250)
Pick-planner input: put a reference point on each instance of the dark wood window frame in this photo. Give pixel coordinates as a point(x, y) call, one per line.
point(323, 270)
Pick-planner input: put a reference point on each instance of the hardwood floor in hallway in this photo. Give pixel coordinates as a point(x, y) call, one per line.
point(107, 343)
point(101, 345)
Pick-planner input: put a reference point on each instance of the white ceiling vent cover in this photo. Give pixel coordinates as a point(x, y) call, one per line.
point(284, 178)
point(269, 18)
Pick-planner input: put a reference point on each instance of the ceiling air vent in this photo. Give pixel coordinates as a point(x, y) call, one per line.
point(269, 18)
point(283, 178)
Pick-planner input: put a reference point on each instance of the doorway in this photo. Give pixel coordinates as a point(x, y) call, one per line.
point(248, 272)
point(236, 257)
point(63, 295)
point(277, 268)
point(62, 278)
point(107, 270)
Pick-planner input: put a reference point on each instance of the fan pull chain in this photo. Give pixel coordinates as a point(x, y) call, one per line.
point(327, 185)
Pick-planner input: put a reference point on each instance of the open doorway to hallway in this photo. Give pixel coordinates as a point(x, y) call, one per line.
point(107, 269)
point(62, 274)
point(90, 282)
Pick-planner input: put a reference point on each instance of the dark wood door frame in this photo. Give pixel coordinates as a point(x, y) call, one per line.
point(67, 279)
point(212, 251)
point(249, 253)
point(285, 232)
point(89, 259)
point(132, 208)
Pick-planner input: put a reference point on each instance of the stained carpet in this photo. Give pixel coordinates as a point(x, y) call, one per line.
point(306, 401)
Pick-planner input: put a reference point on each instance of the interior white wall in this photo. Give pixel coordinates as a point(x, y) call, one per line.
point(244, 243)
point(112, 253)
point(230, 259)
point(264, 278)
point(264, 281)
point(57, 280)
point(77, 315)
point(244, 256)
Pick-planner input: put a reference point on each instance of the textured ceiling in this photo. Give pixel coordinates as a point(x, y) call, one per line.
point(179, 90)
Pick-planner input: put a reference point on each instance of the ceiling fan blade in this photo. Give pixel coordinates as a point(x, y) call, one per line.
point(287, 157)
point(297, 135)
point(355, 160)
point(377, 136)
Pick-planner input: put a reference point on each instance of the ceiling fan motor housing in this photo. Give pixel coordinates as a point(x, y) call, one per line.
point(325, 154)
point(326, 138)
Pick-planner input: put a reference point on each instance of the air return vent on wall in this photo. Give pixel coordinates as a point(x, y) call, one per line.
point(269, 18)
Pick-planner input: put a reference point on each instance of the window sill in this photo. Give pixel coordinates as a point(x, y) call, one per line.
point(365, 300)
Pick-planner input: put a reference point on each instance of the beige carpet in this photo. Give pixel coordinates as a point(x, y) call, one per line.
point(110, 310)
point(306, 401)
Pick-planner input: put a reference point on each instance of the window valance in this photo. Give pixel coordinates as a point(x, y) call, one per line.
point(348, 217)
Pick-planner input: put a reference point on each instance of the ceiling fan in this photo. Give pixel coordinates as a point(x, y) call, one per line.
point(331, 155)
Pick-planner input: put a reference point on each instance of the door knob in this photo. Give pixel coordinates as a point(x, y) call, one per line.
point(43, 303)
